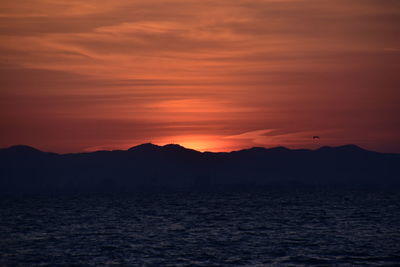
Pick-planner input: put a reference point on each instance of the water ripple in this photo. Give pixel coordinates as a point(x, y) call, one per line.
point(203, 229)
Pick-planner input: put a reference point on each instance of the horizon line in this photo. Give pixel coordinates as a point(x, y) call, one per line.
point(187, 148)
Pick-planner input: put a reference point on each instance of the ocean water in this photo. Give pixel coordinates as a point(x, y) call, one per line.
point(276, 227)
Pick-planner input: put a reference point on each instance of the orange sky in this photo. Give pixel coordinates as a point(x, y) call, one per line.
point(81, 75)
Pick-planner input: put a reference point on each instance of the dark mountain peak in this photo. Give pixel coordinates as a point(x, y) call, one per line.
point(173, 146)
point(176, 148)
point(144, 147)
point(278, 149)
point(150, 148)
point(22, 149)
point(255, 149)
point(344, 148)
point(20, 152)
point(351, 147)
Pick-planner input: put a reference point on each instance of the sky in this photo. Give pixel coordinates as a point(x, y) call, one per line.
point(85, 75)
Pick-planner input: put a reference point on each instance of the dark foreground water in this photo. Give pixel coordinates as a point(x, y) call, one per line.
point(307, 227)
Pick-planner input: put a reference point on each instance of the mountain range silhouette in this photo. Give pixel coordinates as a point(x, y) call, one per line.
point(149, 167)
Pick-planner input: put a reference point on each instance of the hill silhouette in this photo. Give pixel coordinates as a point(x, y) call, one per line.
point(24, 169)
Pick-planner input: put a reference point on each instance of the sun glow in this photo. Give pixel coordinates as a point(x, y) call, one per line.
point(198, 142)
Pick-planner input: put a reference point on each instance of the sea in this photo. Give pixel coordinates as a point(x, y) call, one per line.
point(307, 227)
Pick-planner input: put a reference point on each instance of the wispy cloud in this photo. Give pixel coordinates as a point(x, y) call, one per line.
point(222, 67)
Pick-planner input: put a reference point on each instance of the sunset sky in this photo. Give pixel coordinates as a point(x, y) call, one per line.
point(221, 75)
